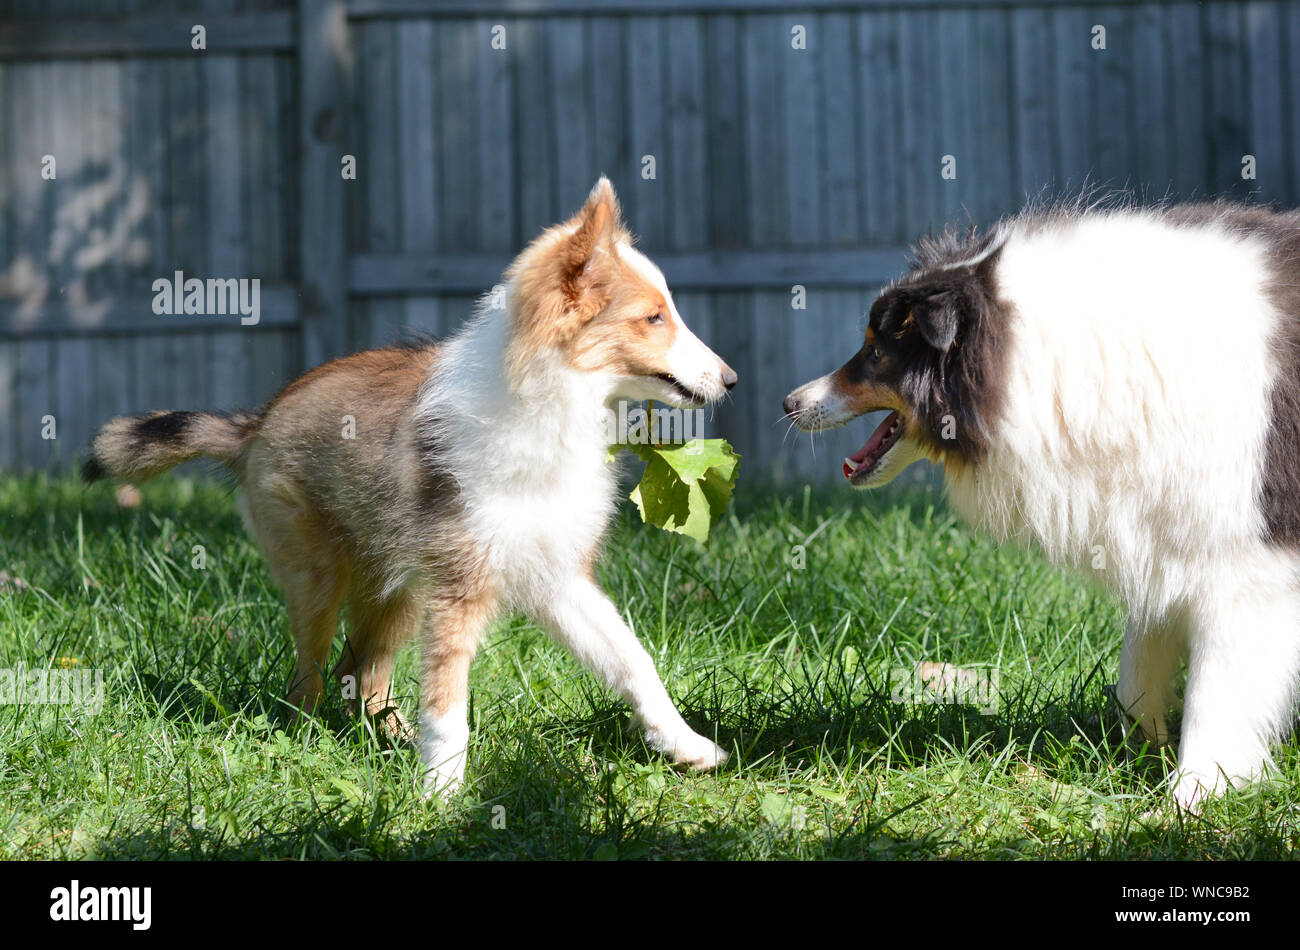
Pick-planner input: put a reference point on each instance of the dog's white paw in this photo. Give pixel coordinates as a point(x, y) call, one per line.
point(1191, 788)
point(1204, 778)
point(438, 783)
point(444, 747)
point(695, 752)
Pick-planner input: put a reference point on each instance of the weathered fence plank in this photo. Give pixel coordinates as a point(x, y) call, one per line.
point(880, 106)
point(688, 136)
point(322, 121)
point(1226, 103)
point(144, 35)
point(647, 129)
point(838, 90)
point(1035, 164)
point(494, 94)
point(1267, 120)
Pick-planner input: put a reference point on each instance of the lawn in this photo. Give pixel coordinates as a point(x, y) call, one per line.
point(791, 636)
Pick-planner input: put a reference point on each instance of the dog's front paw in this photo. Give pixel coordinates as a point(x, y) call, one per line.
point(695, 752)
point(1189, 790)
point(1202, 778)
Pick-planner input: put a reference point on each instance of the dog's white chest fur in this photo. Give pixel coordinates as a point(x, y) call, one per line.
point(541, 525)
point(1129, 342)
point(534, 488)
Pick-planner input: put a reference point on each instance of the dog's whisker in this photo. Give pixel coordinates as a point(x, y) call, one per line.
point(786, 435)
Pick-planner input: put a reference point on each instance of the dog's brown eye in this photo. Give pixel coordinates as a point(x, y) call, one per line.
point(873, 354)
point(655, 319)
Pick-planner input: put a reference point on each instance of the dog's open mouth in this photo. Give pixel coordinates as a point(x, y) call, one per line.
point(867, 459)
point(682, 390)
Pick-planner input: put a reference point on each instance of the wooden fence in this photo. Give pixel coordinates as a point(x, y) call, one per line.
point(791, 143)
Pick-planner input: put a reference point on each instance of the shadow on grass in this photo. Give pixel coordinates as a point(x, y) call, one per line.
point(535, 796)
point(537, 802)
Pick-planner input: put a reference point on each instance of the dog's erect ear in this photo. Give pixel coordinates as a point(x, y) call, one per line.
point(936, 318)
point(590, 247)
point(595, 226)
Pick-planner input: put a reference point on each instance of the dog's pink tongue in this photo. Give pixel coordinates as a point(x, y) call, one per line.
point(868, 451)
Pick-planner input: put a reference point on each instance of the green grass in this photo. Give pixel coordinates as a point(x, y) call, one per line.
point(192, 754)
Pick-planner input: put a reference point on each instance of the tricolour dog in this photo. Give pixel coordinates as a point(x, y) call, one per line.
point(1120, 387)
point(437, 485)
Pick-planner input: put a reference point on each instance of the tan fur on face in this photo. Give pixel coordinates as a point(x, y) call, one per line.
point(577, 296)
point(620, 339)
point(861, 397)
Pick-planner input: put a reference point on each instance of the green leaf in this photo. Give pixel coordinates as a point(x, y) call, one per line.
point(686, 486)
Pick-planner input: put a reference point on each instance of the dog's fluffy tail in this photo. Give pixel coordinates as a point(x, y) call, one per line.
point(140, 447)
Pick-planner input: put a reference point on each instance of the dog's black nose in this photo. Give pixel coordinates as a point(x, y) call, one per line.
point(729, 376)
point(790, 405)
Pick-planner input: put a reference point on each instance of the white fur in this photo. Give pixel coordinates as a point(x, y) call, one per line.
point(1132, 446)
point(583, 619)
point(530, 459)
point(444, 743)
point(693, 363)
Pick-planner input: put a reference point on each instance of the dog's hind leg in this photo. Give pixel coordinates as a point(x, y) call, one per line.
point(379, 627)
point(312, 571)
point(1151, 656)
point(1242, 671)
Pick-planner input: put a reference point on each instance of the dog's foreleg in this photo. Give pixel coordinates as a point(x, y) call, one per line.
point(1241, 679)
point(584, 620)
point(454, 628)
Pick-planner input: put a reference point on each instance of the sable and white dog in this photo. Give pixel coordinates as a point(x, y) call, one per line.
point(1120, 387)
point(475, 481)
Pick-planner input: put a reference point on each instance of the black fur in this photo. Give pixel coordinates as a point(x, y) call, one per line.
point(1280, 482)
point(170, 428)
point(167, 427)
point(938, 342)
point(92, 470)
point(160, 426)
